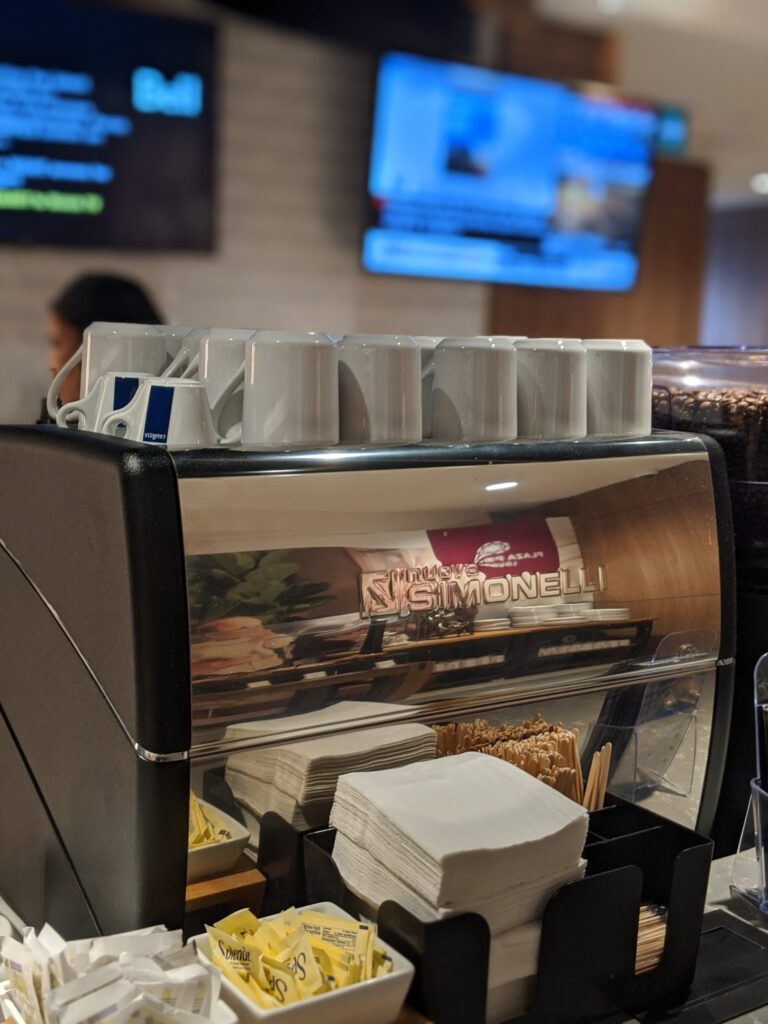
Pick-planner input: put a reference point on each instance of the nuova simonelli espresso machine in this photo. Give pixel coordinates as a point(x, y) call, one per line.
point(163, 612)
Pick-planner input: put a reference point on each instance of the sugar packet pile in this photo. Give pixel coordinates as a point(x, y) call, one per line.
point(205, 825)
point(145, 976)
point(295, 955)
point(464, 833)
point(297, 780)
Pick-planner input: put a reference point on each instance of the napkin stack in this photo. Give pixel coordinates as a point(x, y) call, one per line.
point(297, 780)
point(465, 833)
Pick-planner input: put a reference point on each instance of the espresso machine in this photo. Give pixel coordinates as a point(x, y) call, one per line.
point(166, 612)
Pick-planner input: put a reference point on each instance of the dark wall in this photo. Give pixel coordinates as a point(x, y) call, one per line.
point(735, 303)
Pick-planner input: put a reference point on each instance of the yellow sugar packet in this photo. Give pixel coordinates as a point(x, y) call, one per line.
point(226, 949)
point(297, 955)
point(248, 987)
point(266, 940)
point(351, 936)
point(240, 923)
point(345, 967)
point(382, 963)
point(281, 982)
point(260, 997)
point(325, 966)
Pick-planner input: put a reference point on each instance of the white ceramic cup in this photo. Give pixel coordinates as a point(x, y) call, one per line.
point(110, 392)
point(619, 382)
point(379, 389)
point(166, 411)
point(474, 389)
point(551, 388)
point(137, 348)
point(290, 382)
point(220, 360)
point(427, 344)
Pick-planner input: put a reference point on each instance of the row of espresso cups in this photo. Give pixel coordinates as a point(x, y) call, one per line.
point(194, 387)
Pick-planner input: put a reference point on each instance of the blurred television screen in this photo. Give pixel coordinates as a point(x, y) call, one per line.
point(106, 128)
point(488, 176)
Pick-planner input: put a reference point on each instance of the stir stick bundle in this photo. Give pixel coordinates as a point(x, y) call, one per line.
point(651, 936)
point(548, 752)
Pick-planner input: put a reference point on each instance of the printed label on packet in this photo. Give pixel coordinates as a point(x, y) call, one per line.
point(229, 950)
point(298, 958)
point(353, 937)
point(281, 982)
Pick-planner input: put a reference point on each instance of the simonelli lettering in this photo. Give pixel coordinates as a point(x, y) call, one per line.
point(426, 588)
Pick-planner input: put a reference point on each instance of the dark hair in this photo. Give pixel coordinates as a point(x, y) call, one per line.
point(105, 297)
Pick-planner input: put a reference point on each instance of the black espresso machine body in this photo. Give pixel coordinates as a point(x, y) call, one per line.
point(162, 612)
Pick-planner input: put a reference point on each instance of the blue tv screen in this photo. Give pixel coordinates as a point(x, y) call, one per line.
point(482, 175)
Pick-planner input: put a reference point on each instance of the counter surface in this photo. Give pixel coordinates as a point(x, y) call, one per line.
point(718, 898)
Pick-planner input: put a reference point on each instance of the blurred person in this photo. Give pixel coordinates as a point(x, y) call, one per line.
point(90, 297)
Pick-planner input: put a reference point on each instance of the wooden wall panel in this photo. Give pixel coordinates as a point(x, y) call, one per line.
point(656, 543)
point(664, 306)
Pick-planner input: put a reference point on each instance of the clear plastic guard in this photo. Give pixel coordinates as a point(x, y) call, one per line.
point(645, 755)
point(749, 877)
point(687, 645)
point(750, 867)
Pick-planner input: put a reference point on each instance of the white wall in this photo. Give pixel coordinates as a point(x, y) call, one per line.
point(293, 122)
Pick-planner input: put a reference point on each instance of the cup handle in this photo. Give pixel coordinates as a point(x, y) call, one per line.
point(175, 365)
point(191, 370)
point(218, 409)
point(70, 411)
point(110, 423)
point(235, 435)
point(52, 397)
point(428, 370)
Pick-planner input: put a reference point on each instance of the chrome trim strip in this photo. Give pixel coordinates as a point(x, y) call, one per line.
point(148, 755)
point(142, 752)
point(471, 700)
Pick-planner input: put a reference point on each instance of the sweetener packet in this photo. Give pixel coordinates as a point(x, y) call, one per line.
point(150, 942)
point(56, 948)
point(280, 981)
point(239, 924)
point(43, 979)
point(57, 1000)
point(77, 954)
point(226, 949)
point(296, 953)
point(100, 1006)
point(22, 968)
point(140, 968)
point(181, 958)
point(184, 988)
point(147, 1010)
point(350, 936)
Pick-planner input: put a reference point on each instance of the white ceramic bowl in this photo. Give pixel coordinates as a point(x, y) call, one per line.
point(217, 858)
point(377, 1001)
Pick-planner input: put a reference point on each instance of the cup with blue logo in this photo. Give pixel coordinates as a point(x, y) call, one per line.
point(111, 391)
point(168, 411)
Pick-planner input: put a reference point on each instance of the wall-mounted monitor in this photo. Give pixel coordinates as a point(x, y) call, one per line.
point(488, 176)
point(106, 128)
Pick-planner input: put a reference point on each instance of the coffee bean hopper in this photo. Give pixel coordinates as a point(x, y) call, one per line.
point(723, 393)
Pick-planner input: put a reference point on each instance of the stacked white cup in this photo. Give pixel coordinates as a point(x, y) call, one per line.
point(281, 390)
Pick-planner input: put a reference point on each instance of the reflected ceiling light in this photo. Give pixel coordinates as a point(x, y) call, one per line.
point(611, 6)
point(759, 183)
point(501, 487)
